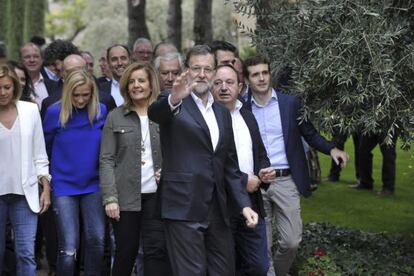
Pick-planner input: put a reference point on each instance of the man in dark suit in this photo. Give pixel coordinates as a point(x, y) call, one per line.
point(278, 117)
point(32, 60)
point(74, 62)
point(199, 169)
point(250, 244)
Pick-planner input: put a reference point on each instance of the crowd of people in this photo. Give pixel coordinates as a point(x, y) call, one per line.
point(163, 165)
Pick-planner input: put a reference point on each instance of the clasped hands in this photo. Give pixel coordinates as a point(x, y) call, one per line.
point(266, 175)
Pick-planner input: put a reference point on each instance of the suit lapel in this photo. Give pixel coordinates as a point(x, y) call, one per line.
point(195, 113)
point(284, 110)
point(220, 123)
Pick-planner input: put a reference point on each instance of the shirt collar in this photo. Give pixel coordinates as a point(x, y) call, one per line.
point(40, 80)
point(51, 74)
point(272, 98)
point(126, 110)
point(198, 101)
point(115, 83)
point(237, 107)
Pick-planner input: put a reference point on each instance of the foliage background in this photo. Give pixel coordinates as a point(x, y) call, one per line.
point(351, 61)
point(105, 22)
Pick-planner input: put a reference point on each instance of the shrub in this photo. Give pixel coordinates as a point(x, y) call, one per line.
point(331, 249)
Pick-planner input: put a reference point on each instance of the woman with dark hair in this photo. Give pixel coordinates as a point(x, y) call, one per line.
point(23, 165)
point(28, 91)
point(73, 129)
point(130, 159)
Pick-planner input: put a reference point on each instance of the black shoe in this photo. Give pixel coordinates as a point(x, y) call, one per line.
point(331, 178)
point(358, 186)
point(385, 193)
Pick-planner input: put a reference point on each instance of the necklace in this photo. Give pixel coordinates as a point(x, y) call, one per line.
point(143, 139)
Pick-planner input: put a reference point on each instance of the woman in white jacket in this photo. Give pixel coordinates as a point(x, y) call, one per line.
point(23, 166)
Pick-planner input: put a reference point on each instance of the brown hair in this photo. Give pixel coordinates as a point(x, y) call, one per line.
point(152, 76)
point(6, 71)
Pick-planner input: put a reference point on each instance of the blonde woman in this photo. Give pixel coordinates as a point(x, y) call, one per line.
point(23, 164)
point(72, 130)
point(130, 158)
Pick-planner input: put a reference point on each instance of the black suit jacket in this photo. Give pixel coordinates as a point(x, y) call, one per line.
point(260, 159)
point(104, 86)
point(192, 171)
point(104, 98)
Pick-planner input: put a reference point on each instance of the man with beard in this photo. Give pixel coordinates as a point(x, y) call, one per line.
point(118, 57)
point(199, 168)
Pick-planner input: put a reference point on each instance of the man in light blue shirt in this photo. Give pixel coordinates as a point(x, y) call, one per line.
point(277, 115)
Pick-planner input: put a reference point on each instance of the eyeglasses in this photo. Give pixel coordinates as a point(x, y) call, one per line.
point(206, 70)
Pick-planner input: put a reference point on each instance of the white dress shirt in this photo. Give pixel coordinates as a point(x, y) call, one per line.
point(243, 140)
point(41, 91)
point(148, 184)
point(116, 92)
point(208, 114)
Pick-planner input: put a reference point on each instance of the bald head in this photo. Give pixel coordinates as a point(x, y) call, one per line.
point(73, 62)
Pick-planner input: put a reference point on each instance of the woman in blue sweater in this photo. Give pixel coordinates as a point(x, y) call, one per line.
point(72, 130)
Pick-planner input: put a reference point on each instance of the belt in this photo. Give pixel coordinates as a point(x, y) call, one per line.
point(282, 172)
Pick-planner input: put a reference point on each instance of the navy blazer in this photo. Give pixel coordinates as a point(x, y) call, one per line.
point(293, 130)
point(191, 169)
point(260, 159)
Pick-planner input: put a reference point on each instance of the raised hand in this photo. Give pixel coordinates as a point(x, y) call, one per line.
point(182, 87)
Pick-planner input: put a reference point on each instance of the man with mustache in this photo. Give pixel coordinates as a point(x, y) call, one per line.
point(199, 168)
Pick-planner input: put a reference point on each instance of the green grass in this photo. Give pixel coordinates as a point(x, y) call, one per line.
point(340, 205)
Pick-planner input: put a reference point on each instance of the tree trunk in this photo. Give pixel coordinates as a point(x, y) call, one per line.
point(203, 30)
point(264, 8)
point(174, 22)
point(3, 20)
point(15, 23)
point(34, 22)
point(137, 27)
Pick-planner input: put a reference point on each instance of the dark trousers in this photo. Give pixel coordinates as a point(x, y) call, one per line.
point(250, 248)
point(367, 144)
point(47, 221)
point(9, 262)
point(128, 230)
point(200, 248)
point(339, 140)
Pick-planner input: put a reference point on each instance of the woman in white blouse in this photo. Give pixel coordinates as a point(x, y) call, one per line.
point(23, 165)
